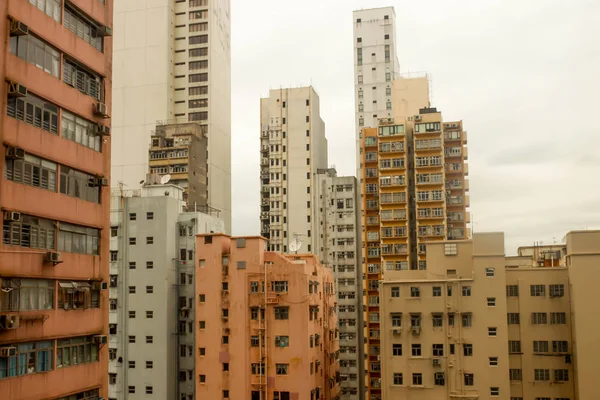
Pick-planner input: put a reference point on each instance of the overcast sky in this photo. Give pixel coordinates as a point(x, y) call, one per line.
point(523, 75)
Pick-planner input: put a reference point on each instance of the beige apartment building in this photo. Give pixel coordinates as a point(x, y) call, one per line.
point(267, 325)
point(479, 325)
point(293, 148)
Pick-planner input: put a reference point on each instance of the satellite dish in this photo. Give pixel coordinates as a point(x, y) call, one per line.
point(165, 179)
point(295, 245)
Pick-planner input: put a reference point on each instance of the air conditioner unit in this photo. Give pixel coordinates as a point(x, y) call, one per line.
point(12, 216)
point(8, 352)
point(99, 285)
point(104, 31)
point(9, 321)
point(18, 28)
point(416, 330)
point(396, 331)
point(100, 110)
point(450, 364)
point(16, 90)
point(14, 153)
point(99, 130)
point(436, 362)
point(417, 118)
point(52, 257)
point(226, 331)
point(100, 339)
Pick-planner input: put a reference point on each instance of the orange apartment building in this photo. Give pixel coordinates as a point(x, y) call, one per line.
point(55, 69)
point(480, 325)
point(415, 185)
point(267, 325)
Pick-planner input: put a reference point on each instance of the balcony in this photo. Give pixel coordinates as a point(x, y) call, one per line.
point(264, 162)
point(264, 216)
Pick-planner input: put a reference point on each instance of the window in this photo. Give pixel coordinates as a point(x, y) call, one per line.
point(395, 291)
point(437, 320)
point(538, 290)
point(201, 324)
point(149, 264)
point(416, 350)
point(490, 272)
point(112, 379)
point(514, 318)
point(469, 379)
point(541, 374)
point(34, 111)
point(279, 286)
point(81, 79)
point(439, 379)
point(450, 319)
point(131, 314)
point(81, 27)
point(539, 318)
point(149, 314)
point(515, 374)
point(417, 379)
point(561, 375)
point(396, 349)
point(437, 291)
point(197, 90)
point(438, 350)
point(258, 369)
point(492, 331)
point(396, 319)
point(77, 295)
point(557, 290)
point(558, 318)
point(78, 239)
point(415, 291)
point(32, 171)
point(201, 39)
point(33, 357)
point(281, 369)
point(514, 347)
point(282, 341)
point(282, 312)
point(466, 291)
point(467, 350)
point(76, 351)
point(512, 291)
point(467, 320)
point(52, 8)
point(32, 232)
point(149, 339)
point(130, 389)
point(26, 294)
point(79, 130)
point(148, 389)
point(491, 302)
point(560, 346)
point(450, 249)
point(149, 240)
point(494, 391)
point(397, 378)
point(493, 361)
point(202, 351)
point(540, 346)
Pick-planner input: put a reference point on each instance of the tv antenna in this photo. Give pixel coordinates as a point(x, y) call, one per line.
point(165, 179)
point(296, 244)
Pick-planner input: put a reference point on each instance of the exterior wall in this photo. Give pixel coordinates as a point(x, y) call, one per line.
point(583, 255)
point(336, 203)
point(171, 279)
point(286, 210)
point(225, 358)
point(145, 96)
point(409, 95)
point(22, 261)
point(373, 76)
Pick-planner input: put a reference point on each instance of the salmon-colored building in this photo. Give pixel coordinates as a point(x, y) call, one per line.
point(55, 70)
point(267, 326)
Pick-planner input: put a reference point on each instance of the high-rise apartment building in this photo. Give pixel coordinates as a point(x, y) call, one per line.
point(178, 152)
point(415, 194)
point(477, 324)
point(178, 70)
point(293, 148)
point(375, 67)
point(54, 134)
point(267, 325)
point(152, 287)
point(337, 209)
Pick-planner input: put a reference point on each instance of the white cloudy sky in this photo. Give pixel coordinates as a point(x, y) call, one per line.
point(523, 75)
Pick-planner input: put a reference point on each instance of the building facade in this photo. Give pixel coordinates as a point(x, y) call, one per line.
point(55, 136)
point(293, 148)
point(152, 293)
point(180, 151)
point(375, 67)
point(188, 49)
point(414, 195)
point(337, 205)
point(267, 325)
point(477, 324)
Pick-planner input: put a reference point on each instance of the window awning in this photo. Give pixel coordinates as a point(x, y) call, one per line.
point(75, 285)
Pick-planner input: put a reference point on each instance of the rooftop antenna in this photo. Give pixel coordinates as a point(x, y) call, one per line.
point(296, 244)
point(165, 179)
